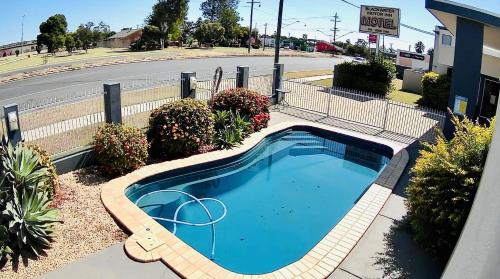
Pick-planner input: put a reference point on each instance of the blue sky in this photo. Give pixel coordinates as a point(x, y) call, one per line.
point(314, 14)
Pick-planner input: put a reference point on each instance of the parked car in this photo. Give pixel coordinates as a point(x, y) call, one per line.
point(359, 59)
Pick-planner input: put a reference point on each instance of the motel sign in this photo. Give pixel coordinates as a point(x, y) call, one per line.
point(379, 20)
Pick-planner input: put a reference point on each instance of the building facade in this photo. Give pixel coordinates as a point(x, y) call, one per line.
point(124, 38)
point(24, 47)
point(469, 45)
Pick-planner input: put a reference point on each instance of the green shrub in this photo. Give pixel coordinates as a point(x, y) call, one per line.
point(443, 185)
point(46, 162)
point(436, 91)
point(230, 129)
point(180, 128)
point(374, 77)
point(120, 149)
point(246, 103)
point(26, 221)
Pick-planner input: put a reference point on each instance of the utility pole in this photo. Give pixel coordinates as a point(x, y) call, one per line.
point(251, 19)
point(278, 34)
point(22, 34)
point(335, 20)
point(265, 36)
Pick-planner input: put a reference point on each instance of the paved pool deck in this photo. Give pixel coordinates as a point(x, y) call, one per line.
point(384, 251)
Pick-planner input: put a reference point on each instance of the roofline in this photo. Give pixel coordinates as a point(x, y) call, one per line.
point(466, 11)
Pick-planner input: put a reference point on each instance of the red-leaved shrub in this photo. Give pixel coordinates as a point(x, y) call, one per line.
point(247, 103)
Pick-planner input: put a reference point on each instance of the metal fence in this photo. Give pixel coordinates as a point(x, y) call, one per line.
point(63, 122)
point(366, 109)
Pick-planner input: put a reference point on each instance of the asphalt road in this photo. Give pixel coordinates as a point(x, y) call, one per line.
point(55, 85)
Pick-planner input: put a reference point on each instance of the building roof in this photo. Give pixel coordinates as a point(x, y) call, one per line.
point(462, 10)
point(447, 13)
point(124, 33)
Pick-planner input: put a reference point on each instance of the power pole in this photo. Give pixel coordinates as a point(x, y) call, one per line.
point(22, 34)
point(251, 19)
point(278, 34)
point(265, 36)
point(335, 20)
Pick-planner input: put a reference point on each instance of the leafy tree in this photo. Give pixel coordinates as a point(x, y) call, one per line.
point(214, 9)
point(168, 16)
point(187, 31)
point(52, 32)
point(229, 20)
point(419, 47)
point(78, 44)
point(361, 42)
point(348, 42)
point(84, 34)
point(151, 36)
point(209, 32)
point(69, 42)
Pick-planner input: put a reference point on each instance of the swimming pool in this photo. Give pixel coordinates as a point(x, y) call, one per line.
point(266, 208)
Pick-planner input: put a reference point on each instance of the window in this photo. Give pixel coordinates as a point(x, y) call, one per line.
point(446, 39)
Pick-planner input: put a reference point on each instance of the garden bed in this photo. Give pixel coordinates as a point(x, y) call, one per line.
point(85, 229)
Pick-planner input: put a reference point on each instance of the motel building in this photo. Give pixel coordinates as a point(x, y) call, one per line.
point(468, 43)
point(474, 53)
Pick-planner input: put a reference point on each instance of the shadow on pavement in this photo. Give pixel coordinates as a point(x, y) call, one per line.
point(403, 258)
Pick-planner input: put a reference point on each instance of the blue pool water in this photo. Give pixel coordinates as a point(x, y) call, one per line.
point(275, 202)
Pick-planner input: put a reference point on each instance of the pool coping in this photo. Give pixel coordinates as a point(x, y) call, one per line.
point(319, 262)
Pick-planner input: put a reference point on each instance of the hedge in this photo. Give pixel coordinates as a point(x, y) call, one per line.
point(374, 76)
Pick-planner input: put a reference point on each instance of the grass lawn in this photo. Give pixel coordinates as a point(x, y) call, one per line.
point(402, 96)
point(397, 94)
point(311, 73)
point(13, 63)
point(323, 82)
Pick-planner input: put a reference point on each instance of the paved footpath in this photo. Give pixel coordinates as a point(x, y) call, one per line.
point(383, 252)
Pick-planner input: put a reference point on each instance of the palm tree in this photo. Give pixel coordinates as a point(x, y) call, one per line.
point(419, 47)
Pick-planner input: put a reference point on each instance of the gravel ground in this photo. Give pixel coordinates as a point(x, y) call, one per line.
point(86, 228)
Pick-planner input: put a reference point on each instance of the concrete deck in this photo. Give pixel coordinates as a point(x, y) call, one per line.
point(384, 251)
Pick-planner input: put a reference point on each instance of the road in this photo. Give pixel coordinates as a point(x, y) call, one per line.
point(55, 85)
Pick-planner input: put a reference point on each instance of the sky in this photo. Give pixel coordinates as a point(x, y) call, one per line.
point(312, 15)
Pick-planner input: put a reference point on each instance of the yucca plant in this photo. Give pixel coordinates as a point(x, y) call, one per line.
point(31, 220)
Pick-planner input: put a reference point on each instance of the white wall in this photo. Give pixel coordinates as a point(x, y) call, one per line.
point(443, 54)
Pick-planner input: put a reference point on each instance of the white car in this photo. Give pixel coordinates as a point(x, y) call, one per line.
point(359, 60)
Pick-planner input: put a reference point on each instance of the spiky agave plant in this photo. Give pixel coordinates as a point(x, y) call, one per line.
point(24, 200)
point(21, 168)
point(31, 220)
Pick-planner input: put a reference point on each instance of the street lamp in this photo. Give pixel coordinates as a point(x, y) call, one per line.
point(22, 34)
point(330, 36)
